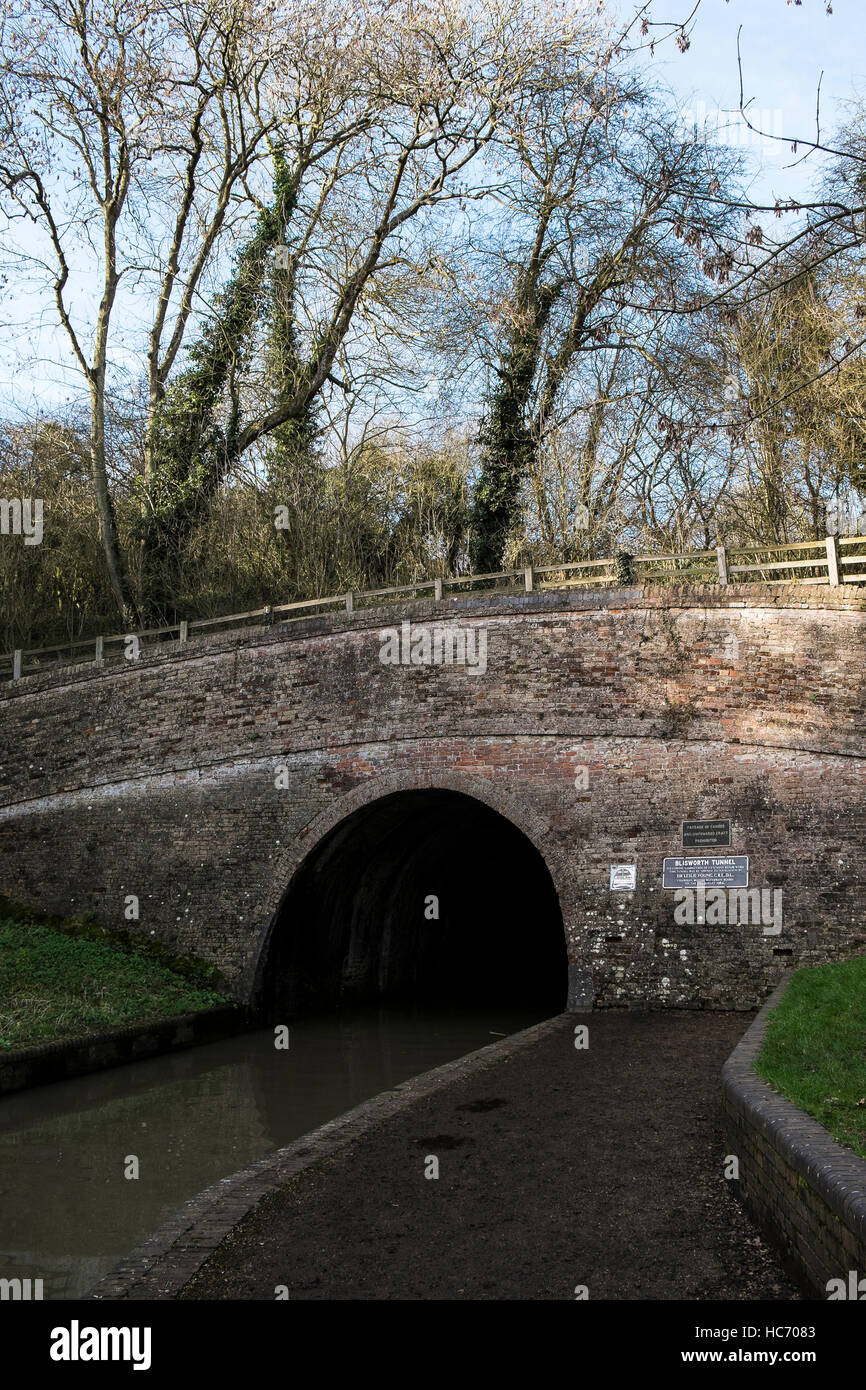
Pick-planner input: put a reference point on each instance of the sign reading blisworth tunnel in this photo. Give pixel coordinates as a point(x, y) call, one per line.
point(712, 871)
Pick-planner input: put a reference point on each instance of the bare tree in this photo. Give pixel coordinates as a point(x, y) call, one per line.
point(127, 130)
point(134, 140)
point(582, 263)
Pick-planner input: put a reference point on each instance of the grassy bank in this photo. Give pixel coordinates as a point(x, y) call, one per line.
point(55, 985)
point(814, 1050)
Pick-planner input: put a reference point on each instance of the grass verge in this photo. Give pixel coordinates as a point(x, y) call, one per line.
point(54, 985)
point(814, 1050)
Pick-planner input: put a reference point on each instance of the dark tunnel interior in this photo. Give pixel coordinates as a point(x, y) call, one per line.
point(423, 898)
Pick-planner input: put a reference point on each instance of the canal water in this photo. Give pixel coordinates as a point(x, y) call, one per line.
point(67, 1211)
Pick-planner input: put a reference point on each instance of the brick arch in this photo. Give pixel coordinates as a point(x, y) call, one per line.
point(375, 789)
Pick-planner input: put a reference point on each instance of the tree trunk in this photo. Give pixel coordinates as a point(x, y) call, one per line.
point(105, 506)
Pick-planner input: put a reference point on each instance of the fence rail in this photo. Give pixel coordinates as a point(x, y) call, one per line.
point(830, 562)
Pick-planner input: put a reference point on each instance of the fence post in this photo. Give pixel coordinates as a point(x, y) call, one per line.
point(99, 657)
point(529, 579)
point(437, 588)
point(16, 665)
point(723, 564)
point(183, 635)
point(350, 603)
point(832, 562)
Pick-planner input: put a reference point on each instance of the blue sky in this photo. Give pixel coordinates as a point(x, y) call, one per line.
point(785, 49)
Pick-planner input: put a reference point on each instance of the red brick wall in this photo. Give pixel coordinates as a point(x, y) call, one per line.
point(156, 777)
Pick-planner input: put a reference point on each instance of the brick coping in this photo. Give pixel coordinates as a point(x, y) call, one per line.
point(43, 1064)
point(834, 1172)
point(167, 1260)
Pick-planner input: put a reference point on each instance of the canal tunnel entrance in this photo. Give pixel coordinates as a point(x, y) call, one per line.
point(423, 897)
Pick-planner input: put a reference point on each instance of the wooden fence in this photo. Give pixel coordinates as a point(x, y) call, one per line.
point(832, 561)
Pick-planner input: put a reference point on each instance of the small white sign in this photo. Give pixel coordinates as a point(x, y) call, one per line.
point(623, 878)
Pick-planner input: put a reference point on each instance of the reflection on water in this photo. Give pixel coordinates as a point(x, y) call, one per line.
point(68, 1214)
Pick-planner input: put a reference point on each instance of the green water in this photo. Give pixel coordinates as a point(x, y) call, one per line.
point(68, 1213)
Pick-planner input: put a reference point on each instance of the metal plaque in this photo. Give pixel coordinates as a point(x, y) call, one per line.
point(704, 834)
point(623, 878)
point(713, 871)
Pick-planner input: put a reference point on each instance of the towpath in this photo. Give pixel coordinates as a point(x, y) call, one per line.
point(557, 1168)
